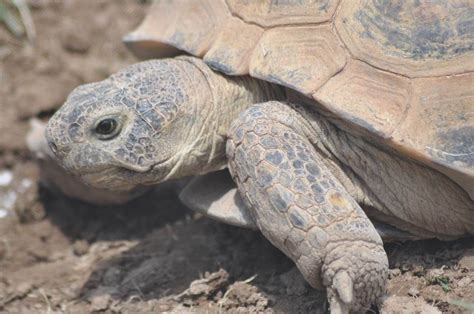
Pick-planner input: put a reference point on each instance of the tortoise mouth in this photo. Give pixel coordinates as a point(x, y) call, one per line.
point(112, 178)
point(97, 171)
point(121, 176)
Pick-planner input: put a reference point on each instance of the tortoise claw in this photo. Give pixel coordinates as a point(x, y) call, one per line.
point(342, 293)
point(344, 286)
point(338, 307)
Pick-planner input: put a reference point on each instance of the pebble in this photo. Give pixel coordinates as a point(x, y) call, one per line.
point(413, 292)
point(100, 298)
point(100, 302)
point(6, 177)
point(80, 247)
point(75, 42)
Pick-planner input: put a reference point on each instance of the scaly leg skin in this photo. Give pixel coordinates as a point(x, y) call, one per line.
point(303, 210)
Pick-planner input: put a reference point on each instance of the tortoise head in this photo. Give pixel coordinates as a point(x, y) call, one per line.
point(132, 128)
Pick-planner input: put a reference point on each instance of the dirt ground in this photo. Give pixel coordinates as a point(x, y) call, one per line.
point(152, 254)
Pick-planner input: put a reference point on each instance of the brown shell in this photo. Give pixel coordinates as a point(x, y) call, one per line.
point(401, 71)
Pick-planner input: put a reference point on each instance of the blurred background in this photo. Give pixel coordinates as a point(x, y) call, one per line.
point(58, 254)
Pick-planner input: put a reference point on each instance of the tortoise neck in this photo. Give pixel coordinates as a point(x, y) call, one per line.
point(230, 95)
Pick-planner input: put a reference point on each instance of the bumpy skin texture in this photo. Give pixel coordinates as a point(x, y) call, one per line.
point(302, 209)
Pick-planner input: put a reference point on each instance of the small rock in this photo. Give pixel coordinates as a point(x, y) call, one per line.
point(100, 298)
point(164, 307)
point(6, 177)
point(80, 247)
point(405, 268)
point(100, 302)
point(413, 292)
point(75, 42)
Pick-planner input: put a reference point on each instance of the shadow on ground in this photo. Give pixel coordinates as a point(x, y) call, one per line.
point(172, 248)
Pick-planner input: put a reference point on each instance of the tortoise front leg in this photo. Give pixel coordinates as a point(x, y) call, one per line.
point(303, 210)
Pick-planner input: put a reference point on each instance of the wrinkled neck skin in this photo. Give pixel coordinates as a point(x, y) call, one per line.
point(219, 100)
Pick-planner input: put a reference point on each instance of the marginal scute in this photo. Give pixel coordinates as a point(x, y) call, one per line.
point(230, 52)
point(145, 48)
point(439, 125)
point(302, 58)
point(413, 38)
point(372, 99)
point(267, 13)
point(188, 25)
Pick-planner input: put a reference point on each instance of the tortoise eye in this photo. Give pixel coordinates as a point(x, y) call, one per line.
point(107, 128)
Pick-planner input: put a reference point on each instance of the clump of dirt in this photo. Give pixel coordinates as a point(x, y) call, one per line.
point(150, 255)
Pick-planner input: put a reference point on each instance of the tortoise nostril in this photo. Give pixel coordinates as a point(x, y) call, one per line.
point(60, 151)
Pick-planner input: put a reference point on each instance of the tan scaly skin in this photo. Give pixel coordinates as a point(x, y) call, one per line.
point(302, 208)
point(302, 178)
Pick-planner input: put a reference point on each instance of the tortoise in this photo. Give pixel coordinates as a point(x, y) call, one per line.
point(342, 123)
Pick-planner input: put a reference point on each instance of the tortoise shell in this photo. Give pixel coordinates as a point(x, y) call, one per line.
point(400, 72)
